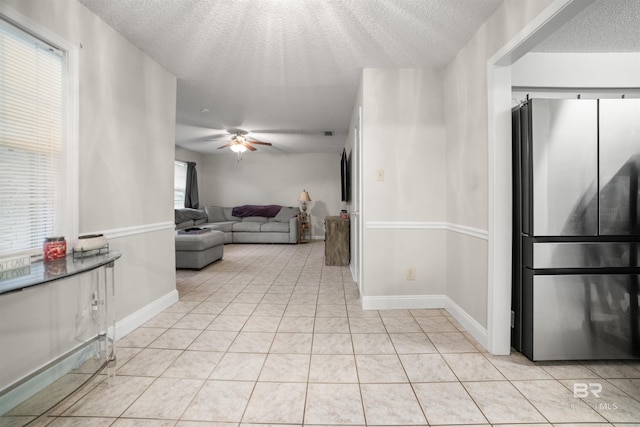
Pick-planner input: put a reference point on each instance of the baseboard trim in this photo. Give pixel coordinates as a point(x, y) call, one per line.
point(403, 302)
point(424, 225)
point(477, 331)
point(146, 313)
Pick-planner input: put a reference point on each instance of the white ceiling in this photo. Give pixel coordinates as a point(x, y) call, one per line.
point(604, 26)
point(289, 70)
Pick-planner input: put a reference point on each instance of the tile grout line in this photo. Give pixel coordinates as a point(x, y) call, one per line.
point(311, 270)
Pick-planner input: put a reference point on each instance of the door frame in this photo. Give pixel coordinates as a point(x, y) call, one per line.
point(356, 222)
point(499, 164)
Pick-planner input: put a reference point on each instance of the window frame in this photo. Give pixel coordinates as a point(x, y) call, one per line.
point(69, 209)
point(180, 163)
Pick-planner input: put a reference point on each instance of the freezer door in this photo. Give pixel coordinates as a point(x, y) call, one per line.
point(526, 190)
point(587, 316)
point(564, 167)
point(619, 166)
point(516, 244)
point(583, 255)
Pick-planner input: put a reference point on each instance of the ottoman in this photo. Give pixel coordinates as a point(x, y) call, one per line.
point(199, 250)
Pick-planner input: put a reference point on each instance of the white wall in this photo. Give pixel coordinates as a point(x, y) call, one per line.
point(577, 70)
point(185, 155)
point(403, 137)
point(567, 75)
point(267, 178)
point(126, 142)
point(467, 157)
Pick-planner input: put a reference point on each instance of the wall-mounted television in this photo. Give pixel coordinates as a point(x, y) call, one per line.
point(345, 181)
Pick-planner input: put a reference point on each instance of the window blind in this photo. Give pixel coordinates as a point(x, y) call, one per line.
point(31, 141)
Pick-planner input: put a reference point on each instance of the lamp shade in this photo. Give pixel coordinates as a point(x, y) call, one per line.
point(304, 196)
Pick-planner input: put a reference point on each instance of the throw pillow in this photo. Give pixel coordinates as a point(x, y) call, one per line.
point(286, 213)
point(215, 213)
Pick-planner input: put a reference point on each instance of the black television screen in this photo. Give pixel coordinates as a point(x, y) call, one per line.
point(344, 176)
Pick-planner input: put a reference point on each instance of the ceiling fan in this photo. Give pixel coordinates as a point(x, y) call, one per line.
point(240, 143)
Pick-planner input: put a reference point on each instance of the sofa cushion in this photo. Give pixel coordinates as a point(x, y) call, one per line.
point(199, 242)
point(225, 226)
point(185, 224)
point(215, 213)
point(286, 213)
point(185, 214)
point(247, 226)
point(228, 216)
point(199, 221)
point(280, 227)
point(260, 219)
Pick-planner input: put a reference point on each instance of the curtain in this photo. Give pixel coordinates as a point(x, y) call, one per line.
point(191, 190)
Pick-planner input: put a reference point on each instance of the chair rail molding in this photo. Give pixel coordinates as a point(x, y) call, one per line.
point(428, 225)
point(117, 233)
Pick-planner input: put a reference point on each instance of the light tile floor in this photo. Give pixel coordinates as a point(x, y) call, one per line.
point(269, 335)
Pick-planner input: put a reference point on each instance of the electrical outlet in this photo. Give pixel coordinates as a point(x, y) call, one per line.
point(380, 175)
point(411, 273)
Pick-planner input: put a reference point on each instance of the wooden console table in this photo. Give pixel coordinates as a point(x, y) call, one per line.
point(336, 241)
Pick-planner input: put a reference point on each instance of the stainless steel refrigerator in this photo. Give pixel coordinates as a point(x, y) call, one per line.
point(576, 229)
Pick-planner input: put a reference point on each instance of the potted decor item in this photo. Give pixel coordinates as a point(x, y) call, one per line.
point(54, 248)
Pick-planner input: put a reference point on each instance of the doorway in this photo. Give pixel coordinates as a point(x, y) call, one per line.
point(499, 162)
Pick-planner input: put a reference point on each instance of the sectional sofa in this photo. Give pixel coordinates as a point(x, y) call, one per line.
point(244, 224)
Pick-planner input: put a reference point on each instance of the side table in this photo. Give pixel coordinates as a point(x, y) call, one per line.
point(304, 228)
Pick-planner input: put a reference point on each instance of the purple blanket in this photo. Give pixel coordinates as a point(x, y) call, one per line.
point(268, 211)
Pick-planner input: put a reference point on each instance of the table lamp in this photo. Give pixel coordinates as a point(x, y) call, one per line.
point(304, 198)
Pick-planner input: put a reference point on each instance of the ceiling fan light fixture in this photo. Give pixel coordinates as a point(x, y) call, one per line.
point(240, 144)
point(238, 147)
point(237, 144)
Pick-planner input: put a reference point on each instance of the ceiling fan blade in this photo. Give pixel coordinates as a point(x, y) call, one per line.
point(260, 143)
point(214, 137)
point(250, 148)
point(224, 146)
point(288, 131)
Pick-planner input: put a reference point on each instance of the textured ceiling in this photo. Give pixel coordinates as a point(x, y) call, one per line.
point(286, 70)
point(604, 26)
